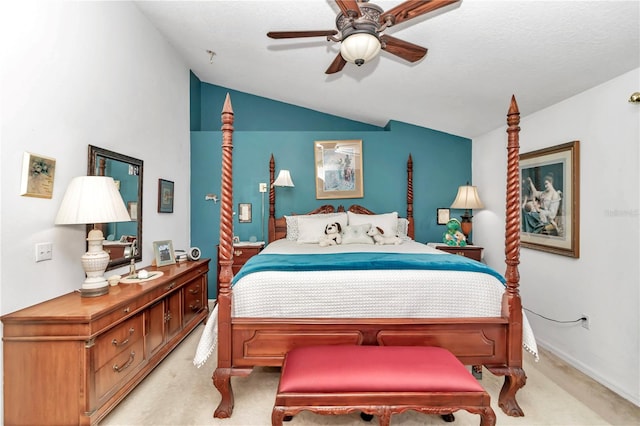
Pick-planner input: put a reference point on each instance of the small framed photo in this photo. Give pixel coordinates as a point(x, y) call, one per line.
point(245, 212)
point(165, 196)
point(442, 216)
point(133, 210)
point(37, 175)
point(164, 253)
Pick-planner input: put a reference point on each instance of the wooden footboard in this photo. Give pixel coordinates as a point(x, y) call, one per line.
point(494, 342)
point(265, 341)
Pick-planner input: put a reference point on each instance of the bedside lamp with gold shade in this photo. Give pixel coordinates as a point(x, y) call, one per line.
point(92, 200)
point(467, 199)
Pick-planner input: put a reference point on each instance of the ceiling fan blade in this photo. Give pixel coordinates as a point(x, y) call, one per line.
point(337, 65)
point(296, 34)
point(405, 50)
point(411, 9)
point(347, 6)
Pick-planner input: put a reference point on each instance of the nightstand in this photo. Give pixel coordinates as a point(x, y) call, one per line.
point(242, 251)
point(472, 252)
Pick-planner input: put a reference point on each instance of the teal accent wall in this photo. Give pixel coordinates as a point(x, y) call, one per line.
point(194, 96)
point(262, 127)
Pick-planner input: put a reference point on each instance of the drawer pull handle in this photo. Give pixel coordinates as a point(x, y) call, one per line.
point(126, 310)
point(195, 306)
point(171, 285)
point(126, 365)
point(115, 343)
point(237, 253)
point(194, 290)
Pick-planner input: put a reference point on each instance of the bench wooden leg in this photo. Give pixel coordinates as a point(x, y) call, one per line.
point(487, 417)
point(277, 416)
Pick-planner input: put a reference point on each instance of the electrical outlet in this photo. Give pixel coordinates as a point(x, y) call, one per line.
point(263, 187)
point(44, 251)
point(585, 321)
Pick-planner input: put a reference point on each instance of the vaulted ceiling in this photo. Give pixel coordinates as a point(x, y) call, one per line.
point(480, 52)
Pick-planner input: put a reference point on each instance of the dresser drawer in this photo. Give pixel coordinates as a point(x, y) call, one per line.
point(194, 299)
point(118, 339)
point(117, 370)
point(472, 252)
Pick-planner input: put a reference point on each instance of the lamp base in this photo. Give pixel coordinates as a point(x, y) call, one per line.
point(93, 292)
point(94, 263)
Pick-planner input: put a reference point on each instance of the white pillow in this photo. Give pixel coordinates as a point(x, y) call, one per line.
point(292, 223)
point(388, 222)
point(356, 234)
point(403, 228)
point(292, 227)
point(311, 227)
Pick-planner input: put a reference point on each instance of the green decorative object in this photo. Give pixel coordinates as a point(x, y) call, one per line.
point(453, 236)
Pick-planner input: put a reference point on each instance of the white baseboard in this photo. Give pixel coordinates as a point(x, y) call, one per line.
point(580, 366)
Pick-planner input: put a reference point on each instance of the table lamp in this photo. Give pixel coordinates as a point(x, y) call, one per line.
point(467, 199)
point(283, 179)
point(91, 200)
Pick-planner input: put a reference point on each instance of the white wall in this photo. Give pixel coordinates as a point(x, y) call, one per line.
point(604, 282)
point(74, 74)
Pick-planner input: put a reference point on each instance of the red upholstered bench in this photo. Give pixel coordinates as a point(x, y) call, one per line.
point(377, 380)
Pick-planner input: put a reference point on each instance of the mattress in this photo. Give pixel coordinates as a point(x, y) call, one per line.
point(370, 293)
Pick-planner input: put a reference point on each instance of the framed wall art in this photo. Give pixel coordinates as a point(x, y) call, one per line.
point(550, 199)
point(245, 212)
point(338, 167)
point(164, 254)
point(442, 215)
point(37, 175)
point(165, 196)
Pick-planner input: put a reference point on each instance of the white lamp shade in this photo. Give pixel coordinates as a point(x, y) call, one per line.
point(283, 179)
point(467, 198)
point(92, 199)
point(359, 48)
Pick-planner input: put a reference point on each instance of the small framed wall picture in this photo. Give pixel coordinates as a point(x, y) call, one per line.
point(442, 216)
point(165, 196)
point(245, 212)
point(37, 175)
point(164, 254)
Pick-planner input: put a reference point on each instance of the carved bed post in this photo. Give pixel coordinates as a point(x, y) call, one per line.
point(515, 377)
point(411, 230)
point(222, 374)
point(272, 200)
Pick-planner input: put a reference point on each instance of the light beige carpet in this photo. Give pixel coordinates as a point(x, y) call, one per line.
point(177, 393)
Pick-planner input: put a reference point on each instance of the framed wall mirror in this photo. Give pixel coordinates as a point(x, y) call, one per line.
point(123, 240)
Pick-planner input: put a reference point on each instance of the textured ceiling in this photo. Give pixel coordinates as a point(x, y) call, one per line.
point(480, 53)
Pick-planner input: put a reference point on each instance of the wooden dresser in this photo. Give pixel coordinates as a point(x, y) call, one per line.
point(71, 360)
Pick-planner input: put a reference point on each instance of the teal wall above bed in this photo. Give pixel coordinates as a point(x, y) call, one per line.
point(262, 127)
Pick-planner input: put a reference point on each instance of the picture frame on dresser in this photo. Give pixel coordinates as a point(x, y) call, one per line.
point(550, 200)
point(338, 166)
point(164, 253)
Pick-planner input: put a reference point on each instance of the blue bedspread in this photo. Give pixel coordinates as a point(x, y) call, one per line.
point(362, 260)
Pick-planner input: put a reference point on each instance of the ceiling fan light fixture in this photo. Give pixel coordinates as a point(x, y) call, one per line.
point(359, 48)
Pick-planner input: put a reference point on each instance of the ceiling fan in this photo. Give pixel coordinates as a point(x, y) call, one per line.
point(360, 31)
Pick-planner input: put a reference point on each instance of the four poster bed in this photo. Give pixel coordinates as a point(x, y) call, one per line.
point(250, 336)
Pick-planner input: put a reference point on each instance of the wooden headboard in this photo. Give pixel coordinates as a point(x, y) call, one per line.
point(278, 225)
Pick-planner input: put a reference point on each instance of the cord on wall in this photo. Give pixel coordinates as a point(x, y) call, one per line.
point(583, 318)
